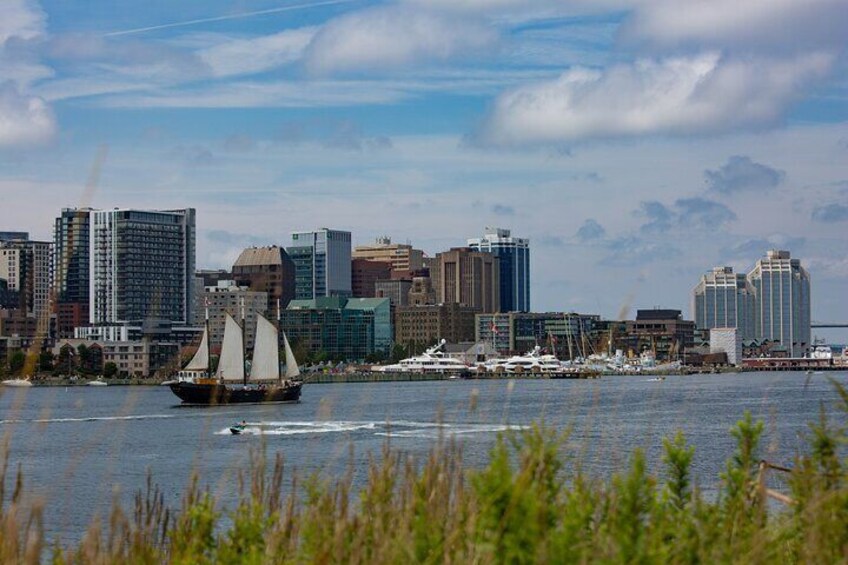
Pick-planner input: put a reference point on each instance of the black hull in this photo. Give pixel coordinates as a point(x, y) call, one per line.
point(213, 394)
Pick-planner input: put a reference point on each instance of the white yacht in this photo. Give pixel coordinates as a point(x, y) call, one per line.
point(532, 362)
point(433, 360)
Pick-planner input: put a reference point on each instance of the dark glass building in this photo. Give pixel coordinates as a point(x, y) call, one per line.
point(513, 255)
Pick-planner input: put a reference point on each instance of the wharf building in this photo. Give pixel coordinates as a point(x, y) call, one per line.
point(141, 265)
point(339, 327)
point(269, 270)
point(322, 260)
point(663, 332)
point(402, 257)
point(139, 359)
point(724, 299)
point(565, 334)
point(467, 277)
point(782, 303)
point(71, 242)
point(513, 256)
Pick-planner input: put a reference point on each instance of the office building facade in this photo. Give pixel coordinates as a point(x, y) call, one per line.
point(419, 327)
point(401, 256)
point(322, 260)
point(782, 304)
point(467, 277)
point(365, 274)
point(724, 299)
point(513, 255)
point(141, 265)
point(349, 329)
point(26, 267)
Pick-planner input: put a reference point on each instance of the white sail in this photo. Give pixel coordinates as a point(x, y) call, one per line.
point(292, 370)
point(231, 363)
point(266, 352)
point(200, 361)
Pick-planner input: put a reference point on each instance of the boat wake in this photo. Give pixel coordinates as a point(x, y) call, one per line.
point(89, 419)
point(400, 429)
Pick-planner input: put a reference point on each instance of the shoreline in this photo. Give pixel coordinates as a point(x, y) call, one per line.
point(371, 377)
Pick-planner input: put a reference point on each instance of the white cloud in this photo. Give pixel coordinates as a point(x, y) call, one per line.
point(248, 56)
point(386, 38)
point(24, 119)
point(751, 24)
point(684, 95)
point(22, 19)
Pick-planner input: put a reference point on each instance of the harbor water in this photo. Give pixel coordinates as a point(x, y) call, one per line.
point(81, 447)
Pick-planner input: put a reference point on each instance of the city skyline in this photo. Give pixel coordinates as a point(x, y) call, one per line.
point(616, 136)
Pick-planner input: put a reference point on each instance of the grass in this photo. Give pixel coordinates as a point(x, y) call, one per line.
point(531, 503)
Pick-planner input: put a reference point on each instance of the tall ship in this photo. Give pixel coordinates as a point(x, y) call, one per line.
point(231, 384)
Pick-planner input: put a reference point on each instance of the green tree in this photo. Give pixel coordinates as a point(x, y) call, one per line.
point(16, 361)
point(110, 370)
point(45, 361)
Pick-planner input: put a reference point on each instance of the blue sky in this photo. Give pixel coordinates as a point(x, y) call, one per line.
point(637, 143)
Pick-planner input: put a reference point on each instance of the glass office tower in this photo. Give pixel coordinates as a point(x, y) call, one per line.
point(513, 255)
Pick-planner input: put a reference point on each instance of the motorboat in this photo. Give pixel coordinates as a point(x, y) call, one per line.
point(433, 360)
point(21, 383)
point(98, 382)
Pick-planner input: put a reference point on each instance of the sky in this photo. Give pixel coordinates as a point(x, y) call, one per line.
point(636, 143)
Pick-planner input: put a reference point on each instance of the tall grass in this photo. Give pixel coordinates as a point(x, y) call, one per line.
point(531, 503)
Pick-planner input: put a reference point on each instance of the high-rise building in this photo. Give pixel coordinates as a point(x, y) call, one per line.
point(269, 270)
point(420, 327)
point(322, 263)
point(513, 254)
point(71, 241)
point(141, 265)
point(227, 297)
point(401, 256)
point(467, 277)
point(724, 299)
point(25, 265)
point(782, 304)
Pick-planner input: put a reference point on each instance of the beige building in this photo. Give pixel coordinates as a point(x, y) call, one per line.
point(226, 298)
point(467, 277)
point(421, 293)
point(422, 326)
point(139, 358)
point(401, 256)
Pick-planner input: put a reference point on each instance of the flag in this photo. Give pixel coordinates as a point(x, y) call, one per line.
point(494, 328)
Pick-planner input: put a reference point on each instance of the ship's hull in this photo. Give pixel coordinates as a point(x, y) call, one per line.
point(212, 394)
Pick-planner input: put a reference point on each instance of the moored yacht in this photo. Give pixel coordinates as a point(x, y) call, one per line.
point(433, 360)
point(17, 382)
point(531, 362)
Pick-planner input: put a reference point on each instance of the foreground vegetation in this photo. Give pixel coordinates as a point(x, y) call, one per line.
point(531, 503)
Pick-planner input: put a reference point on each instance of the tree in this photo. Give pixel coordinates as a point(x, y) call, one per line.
point(45, 361)
point(110, 370)
point(16, 361)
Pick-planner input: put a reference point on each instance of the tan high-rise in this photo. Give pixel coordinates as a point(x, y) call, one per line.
point(467, 277)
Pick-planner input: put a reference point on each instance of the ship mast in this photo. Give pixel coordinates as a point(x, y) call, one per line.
point(243, 343)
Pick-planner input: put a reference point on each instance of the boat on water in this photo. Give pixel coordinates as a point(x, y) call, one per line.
point(97, 382)
point(433, 360)
point(20, 383)
point(231, 384)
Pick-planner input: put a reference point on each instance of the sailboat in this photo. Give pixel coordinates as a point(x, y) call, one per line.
point(231, 384)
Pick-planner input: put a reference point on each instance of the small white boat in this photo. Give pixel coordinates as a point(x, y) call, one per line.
point(18, 382)
point(98, 382)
